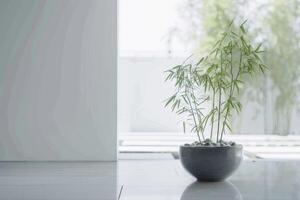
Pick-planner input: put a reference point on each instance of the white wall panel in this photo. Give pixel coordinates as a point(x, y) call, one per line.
point(58, 80)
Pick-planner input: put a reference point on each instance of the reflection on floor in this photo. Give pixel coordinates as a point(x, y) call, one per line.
point(145, 180)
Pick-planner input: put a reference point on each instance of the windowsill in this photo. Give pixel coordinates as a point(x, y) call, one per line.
point(256, 147)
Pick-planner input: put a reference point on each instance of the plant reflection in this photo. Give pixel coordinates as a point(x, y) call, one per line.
point(211, 191)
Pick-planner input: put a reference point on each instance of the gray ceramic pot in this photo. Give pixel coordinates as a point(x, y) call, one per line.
point(211, 163)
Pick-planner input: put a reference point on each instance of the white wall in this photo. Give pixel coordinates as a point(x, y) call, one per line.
point(58, 79)
point(142, 94)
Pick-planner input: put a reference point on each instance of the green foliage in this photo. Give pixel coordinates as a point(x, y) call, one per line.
point(283, 57)
point(214, 81)
point(276, 23)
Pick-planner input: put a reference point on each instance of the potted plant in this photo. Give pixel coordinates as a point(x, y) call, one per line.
point(206, 94)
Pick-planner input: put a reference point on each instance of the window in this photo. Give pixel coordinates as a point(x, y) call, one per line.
point(155, 35)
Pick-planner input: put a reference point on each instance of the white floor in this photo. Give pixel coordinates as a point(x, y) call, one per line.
point(144, 180)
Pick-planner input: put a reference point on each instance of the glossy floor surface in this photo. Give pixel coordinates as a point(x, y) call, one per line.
point(145, 180)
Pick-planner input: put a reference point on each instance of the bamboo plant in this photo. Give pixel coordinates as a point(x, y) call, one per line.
point(206, 89)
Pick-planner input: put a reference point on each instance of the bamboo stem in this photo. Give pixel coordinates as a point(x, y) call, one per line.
point(195, 122)
point(212, 118)
point(219, 112)
point(197, 110)
point(231, 90)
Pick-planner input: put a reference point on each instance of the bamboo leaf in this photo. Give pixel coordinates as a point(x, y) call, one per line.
point(184, 98)
point(242, 27)
point(176, 67)
point(230, 23)
point(228, 126)
point(170, 100)
point(261, 69)
point(200, 61)
point(257, 48)
point(169, 76)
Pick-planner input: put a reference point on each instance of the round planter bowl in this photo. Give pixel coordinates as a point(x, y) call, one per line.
point(211, 164)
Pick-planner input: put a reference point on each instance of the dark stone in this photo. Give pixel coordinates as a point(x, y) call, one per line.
point(211, 163)
point(207, 141)
point(206, 144)
point(232, 143)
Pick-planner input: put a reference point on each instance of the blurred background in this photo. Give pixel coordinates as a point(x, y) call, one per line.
point(155, 35)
